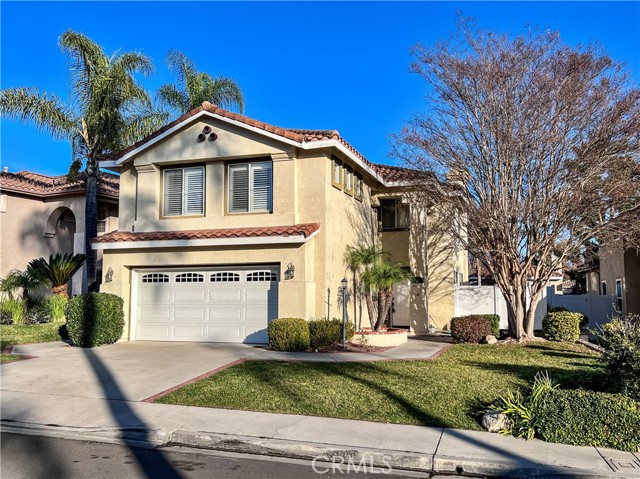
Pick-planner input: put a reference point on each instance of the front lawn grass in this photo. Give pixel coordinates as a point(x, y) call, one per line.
point(11, 334)
point(450, 391)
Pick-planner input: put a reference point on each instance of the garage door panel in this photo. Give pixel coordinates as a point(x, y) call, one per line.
point(151, 314)
point(216, 305)
point(225, 334)
point(186, 332)
point(189, 314)
point(217, 313)
point(225, 294)
point(154, 331)
point(189, 296)
point(154, 295)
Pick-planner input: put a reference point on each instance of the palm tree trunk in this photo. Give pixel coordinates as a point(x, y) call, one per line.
point(61, 291)
point(371, 309)
point(91, 221)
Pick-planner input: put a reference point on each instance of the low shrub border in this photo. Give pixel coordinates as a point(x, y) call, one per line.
point(561, 326)
point(289, 334)
point(470, 329)
point(324, 333)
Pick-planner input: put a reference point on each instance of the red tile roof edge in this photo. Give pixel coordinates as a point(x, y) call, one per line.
point(29, 182)
point(304, 229)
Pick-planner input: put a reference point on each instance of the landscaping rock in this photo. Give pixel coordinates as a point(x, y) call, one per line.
point(490, 339)
point(494, 421)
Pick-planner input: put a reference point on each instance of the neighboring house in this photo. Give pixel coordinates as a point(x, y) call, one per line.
point(227, 222)
point(42, 215)
point(617, 275)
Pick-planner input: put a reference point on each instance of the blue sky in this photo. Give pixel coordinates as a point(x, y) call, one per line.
point(327, 65)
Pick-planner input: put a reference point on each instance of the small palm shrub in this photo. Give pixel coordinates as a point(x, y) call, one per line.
point(11, 311)
point(324, 333)
point(620, 339)
point(94, 319)
point(58, 271)
point(561, 326)
point(288, 334)
point(470, 329)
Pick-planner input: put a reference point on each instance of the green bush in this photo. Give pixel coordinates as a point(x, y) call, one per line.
point(620, 339)
point(470, 329)
point(584, 319)
point(11, 311)
point(494, 320)
point(288, 334)
point(523, 410)
point(324, 333)
point(38, 313)
point(55, 305)
point(561, 326)
point(94, 319)
point(586, 418)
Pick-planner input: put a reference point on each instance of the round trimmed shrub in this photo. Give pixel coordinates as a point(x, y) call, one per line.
point(324, 333)
point(470, 329)
point(288, 334)
point(561, 326)
point(94, 319)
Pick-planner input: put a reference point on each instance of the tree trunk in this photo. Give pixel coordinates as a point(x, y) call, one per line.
point(384, 302)
point(530, 318)
point(355, 299)
point(61, 290)
point(371, 310)
point(91, 223)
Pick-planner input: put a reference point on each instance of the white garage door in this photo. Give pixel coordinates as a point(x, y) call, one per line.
point(231, 305)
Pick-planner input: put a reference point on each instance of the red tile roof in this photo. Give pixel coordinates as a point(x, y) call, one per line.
point(37, 184)
point(305, 230)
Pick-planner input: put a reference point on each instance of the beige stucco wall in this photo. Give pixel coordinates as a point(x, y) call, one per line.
point(302, 193)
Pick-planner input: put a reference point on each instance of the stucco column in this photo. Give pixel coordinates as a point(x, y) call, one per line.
point(79, 281)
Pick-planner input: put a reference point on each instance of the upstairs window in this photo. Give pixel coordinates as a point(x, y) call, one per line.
point(102, 220)
point(393, 214)
point(358, 192)
point(183, 191)
point(336, 173)
point(348, 180)
point(250, 187)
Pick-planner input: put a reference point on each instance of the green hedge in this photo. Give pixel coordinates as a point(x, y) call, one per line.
point(586, 418)
point(288, 334)
point(324, 333)
point(584, 320)
point(494, 320)
point(561, 326)
point(470, 329)
point(94, 319)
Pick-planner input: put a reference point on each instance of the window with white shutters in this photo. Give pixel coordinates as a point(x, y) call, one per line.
point(250, 187)
point(183, 191)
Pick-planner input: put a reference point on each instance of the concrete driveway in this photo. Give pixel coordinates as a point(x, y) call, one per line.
point(130, 371)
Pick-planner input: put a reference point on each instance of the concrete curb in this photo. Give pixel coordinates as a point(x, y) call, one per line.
point(401, 460)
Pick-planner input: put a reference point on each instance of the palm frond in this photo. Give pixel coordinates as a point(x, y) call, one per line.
point(225, 93)
point(173, 98)
point(59, 269)
point(134, 62)
point(45, 112)
point(181, 66)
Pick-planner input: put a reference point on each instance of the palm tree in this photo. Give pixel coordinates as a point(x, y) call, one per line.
point(380, 280)
point(58, 271)
point(24, 284)
point(194, 87)
point(107, 111)
point(359, 259)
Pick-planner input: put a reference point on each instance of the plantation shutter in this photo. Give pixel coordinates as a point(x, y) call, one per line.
point(172, 192)
point(261, 187)
point(238, 188)
point(193, 191)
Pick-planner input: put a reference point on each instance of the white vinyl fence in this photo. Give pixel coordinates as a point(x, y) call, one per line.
point(489, 300)
point(599, 308)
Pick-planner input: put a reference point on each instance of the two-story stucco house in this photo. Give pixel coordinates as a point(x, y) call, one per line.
point(41, 215)
point(226, 222)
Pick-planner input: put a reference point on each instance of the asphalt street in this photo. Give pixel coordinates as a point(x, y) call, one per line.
point(35, 457)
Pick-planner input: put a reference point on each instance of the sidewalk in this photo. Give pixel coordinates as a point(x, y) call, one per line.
point(114, 412)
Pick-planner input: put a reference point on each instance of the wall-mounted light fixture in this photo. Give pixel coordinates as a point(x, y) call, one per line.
point(290, 272)
point(108, 277)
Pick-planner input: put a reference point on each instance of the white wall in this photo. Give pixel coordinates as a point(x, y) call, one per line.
point(599, 308)
point(489, 300)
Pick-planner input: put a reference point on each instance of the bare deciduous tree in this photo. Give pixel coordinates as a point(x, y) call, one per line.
point(540, 142)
